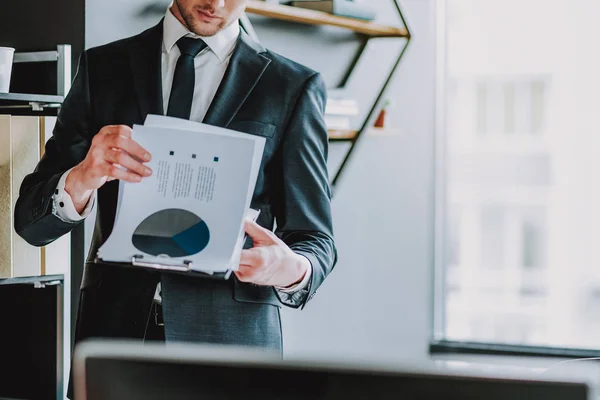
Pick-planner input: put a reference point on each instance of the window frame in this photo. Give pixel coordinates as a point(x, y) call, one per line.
point(438, 343)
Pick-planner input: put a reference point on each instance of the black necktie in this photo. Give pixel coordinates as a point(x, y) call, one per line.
point(182, 91)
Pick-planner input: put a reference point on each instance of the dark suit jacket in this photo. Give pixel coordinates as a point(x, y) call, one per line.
point(262, 93)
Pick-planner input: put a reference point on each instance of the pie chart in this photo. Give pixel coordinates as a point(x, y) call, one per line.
point(172, 232)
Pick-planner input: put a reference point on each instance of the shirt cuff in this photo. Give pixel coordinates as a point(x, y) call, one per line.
point(303, 284)
point(63, 204)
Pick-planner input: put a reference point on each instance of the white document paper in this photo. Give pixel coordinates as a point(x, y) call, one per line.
point(191, 211)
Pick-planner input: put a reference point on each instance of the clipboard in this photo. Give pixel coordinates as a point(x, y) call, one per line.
point(182, 267)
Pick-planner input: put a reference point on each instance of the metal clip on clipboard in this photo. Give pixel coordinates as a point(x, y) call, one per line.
point(186, 267)
point(138, 261)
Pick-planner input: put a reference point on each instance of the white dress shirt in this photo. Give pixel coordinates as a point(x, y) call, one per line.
point(210, 65)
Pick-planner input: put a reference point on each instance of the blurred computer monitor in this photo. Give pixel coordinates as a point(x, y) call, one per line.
point(121, 370)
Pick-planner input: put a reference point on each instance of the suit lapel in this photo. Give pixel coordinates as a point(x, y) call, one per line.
point(145, 59)
point(245, 69)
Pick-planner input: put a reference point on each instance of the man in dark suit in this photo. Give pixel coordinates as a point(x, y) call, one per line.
point(197, 64)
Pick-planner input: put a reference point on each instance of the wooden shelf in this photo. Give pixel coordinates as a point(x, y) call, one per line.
point(342, 135)
point(349, 135)
point(312, 17)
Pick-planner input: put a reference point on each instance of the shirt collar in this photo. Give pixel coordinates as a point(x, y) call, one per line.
point(220, 44)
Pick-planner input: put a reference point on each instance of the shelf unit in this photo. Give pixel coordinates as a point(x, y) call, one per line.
point(311, 17)
point(48, 345)
point(40, 290)
point(369, 30)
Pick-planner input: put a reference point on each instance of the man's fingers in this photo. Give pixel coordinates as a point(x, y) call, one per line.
point(130, 146)
point(124, 159)
point(251, 258)
point(119, 137)
point(259, 234)
point(137, 151)
point(116, 172)
point(122, 130)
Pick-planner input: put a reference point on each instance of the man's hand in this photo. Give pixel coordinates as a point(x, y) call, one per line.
point(270, 262)
point(112, 148)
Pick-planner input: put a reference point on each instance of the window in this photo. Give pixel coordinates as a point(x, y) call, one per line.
point(509, 106)
point(493, 236)
point(453, 239)
point(519, 183)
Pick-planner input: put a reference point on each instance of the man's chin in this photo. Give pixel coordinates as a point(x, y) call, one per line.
point(207, 29)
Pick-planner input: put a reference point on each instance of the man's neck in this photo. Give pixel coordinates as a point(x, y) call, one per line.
point(177, 14)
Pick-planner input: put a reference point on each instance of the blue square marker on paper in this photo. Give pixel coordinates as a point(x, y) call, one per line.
point(216, 159)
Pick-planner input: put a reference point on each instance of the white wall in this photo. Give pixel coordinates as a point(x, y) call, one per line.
point(377, 302)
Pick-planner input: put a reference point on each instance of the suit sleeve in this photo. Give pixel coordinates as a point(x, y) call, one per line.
point(302, 203)
point(36, 218)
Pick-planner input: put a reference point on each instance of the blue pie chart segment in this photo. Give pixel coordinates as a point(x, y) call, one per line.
point(172, 232)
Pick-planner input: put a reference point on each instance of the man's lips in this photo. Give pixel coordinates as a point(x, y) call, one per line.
point(207, 15)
